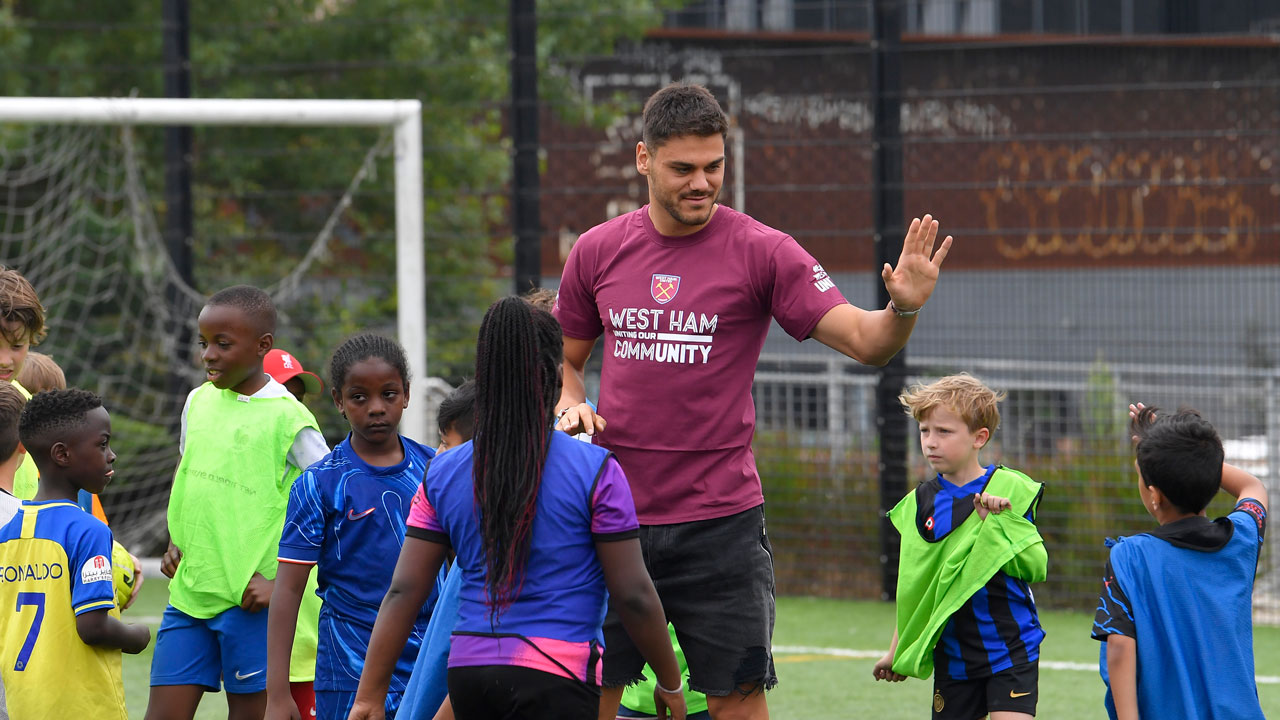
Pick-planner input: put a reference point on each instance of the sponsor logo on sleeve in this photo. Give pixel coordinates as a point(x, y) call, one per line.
point(821, 280)
point(96, 569)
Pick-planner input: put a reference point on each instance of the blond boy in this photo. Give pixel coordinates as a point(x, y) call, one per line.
point(964, 608)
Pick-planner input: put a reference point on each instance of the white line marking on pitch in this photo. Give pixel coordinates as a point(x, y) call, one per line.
point(876, 654)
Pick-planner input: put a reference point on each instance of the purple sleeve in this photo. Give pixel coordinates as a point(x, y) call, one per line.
point(422, 515)
point(802, 291)
point(575, 306)
point(613, 512)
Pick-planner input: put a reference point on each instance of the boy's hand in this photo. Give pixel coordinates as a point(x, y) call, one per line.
point(986, 502)
point(366, 711)
point(884, 669)
point(169, 563)
point(286, 709)
point(137, 581)
point(258, 595)
point(1134, 410)
point(139, 638)
point(670, 705)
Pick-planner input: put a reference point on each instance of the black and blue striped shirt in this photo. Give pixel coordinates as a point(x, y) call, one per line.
point(996, 629)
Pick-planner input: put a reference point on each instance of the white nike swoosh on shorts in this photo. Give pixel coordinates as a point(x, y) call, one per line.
point(246, 677)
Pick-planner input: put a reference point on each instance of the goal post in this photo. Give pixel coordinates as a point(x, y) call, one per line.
point(403, 116)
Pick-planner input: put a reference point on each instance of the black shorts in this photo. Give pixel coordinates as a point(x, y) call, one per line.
point(715, 580)
point(509, 692)
point(1011, 690)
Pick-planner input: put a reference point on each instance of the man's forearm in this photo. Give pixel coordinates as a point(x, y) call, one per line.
point(884, 334)
point(871, 337)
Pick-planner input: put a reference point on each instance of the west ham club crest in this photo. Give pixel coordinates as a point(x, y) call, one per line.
point(663, 288)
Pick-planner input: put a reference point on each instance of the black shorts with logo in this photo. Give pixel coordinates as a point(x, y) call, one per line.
point(1011, 690)
point(715, 580)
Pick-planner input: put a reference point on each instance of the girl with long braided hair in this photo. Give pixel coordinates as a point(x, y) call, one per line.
point(542, 525)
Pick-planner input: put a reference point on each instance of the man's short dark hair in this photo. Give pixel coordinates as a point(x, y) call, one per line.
point(255, 304)
point(1181, 454)
point(53, 416)
point(11, 404)
point(682, 109)
point(458, 411)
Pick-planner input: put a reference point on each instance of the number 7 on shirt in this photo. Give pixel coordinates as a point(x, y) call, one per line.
point(24, 599)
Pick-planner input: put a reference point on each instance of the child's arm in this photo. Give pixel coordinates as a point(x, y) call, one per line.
point(1122, 667)
point(1240, 485)
point(99, 629)
point(414, 576)
point(883, 669)
point(632, 594)
point(1031, 564)
point(257, 596)
point(169, 563)
point(282, 623)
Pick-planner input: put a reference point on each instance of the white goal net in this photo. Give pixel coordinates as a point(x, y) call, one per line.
point(78, 220)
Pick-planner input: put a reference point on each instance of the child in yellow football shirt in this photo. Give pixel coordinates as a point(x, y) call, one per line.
point(56, 565)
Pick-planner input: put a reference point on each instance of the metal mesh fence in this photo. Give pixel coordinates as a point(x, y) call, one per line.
point(1115, 209)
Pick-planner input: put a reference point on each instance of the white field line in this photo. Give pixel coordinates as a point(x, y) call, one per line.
point(876, 654)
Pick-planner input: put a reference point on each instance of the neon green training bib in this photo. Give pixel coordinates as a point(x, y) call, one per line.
point(230, 494)
point(936, 578)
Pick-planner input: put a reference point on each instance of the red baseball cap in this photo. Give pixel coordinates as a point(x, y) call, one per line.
point(281, 366)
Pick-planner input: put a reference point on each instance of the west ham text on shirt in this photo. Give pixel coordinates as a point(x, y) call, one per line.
point(662, 335)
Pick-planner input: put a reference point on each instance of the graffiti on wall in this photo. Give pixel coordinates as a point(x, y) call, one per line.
point(1094, 201)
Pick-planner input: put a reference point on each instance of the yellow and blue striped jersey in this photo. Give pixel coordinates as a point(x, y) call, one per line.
point(55, 563)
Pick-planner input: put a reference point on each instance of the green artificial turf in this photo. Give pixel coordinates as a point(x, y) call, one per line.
point(817, 685)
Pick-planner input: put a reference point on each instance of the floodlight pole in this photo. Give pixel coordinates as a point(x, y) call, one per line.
point(405, 116)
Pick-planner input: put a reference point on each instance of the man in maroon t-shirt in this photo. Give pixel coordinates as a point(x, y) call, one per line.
point(682, 291)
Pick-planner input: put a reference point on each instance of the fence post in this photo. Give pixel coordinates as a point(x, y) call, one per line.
point(886, 163)
point(179, 222)
point(526, 216)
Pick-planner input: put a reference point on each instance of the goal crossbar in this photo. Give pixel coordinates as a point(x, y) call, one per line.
point(403, 116)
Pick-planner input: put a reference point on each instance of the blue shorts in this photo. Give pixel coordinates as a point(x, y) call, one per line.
point(230, 646)
point(336, 704)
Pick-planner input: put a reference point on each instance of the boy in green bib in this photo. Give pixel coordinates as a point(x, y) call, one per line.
point(244, 440)
point(965, 612)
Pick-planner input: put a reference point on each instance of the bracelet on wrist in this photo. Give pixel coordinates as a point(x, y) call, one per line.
point(679, 688)
point(903, 313)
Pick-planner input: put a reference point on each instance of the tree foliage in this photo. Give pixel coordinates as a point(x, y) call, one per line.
point(262, 194)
